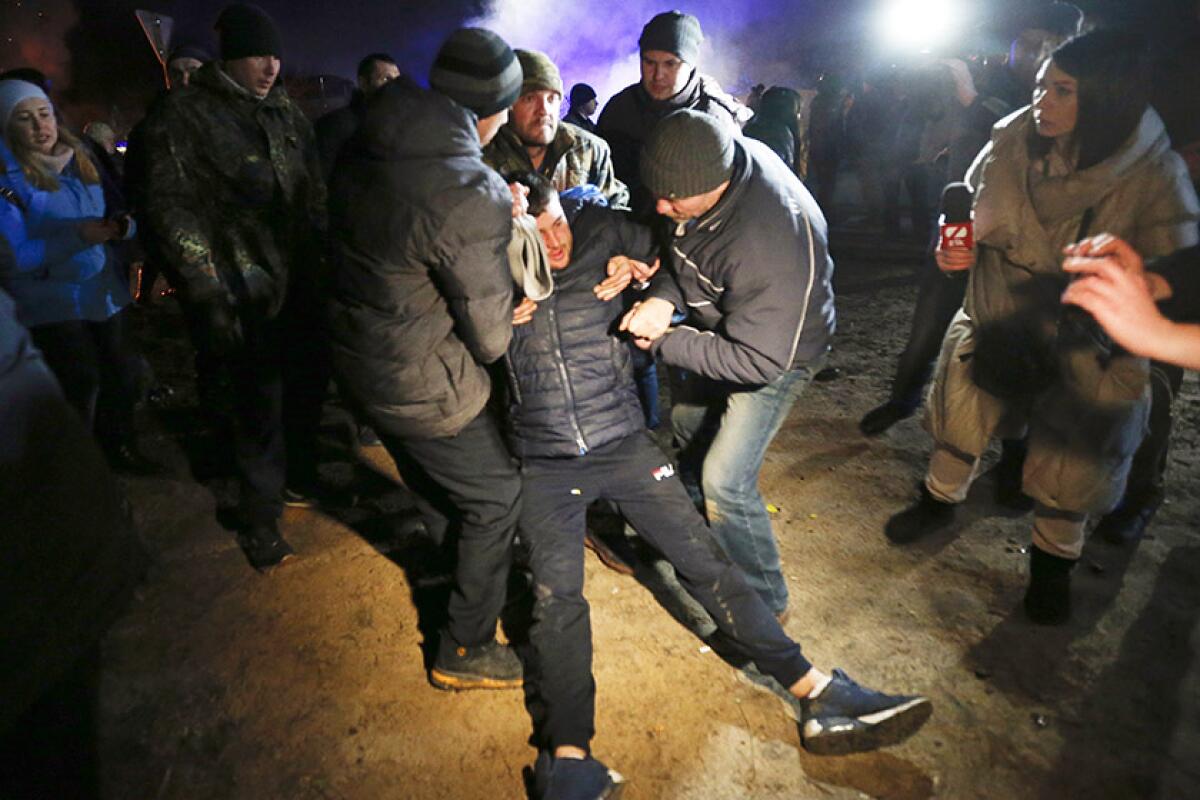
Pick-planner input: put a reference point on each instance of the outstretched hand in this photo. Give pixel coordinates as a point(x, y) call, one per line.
point(620, 274)
point(647, 321)
point(523, 312)
point(1120, 301)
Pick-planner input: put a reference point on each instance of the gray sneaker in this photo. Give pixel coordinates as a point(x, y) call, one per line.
point(848, 718)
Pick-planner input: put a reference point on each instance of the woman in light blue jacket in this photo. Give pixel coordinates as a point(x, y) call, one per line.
point(65, 280)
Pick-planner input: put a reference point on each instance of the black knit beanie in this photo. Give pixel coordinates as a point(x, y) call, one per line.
point(688, 153)
point(673, 32)
point(246, 30)
point(478, 70)
point(581, 94)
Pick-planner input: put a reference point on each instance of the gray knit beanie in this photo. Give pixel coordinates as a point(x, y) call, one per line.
point(478, 70)
point(688, 153)
point(538, 72)
point(673, 32)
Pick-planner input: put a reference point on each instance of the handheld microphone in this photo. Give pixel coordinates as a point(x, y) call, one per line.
point(957, 229)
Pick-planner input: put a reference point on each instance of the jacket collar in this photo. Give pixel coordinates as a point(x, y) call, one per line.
point(213, 77)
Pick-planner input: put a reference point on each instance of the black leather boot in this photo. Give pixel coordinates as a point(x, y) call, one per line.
point(1048, 598)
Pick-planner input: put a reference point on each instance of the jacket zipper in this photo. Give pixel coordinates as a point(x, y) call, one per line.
point(562, 371)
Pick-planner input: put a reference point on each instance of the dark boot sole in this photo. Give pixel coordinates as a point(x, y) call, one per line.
point(607, 556)
point(451, 682)
point(887, 732)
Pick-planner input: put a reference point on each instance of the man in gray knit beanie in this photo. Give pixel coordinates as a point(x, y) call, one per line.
point(752, 273)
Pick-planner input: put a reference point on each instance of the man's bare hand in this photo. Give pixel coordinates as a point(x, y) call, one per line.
point(520, 197)
point(964, 84)
point(643, 272)
point(648, 319)
point(620, 273)
point(524, 311)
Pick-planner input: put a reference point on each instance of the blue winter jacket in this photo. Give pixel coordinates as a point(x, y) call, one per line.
point(57, 276)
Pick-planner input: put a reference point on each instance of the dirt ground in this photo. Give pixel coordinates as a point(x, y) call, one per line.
point(310, 682)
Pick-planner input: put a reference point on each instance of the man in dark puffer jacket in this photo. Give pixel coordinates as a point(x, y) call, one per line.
point(423, 301)
point(576, 421)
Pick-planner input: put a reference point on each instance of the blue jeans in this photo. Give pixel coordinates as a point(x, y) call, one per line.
point(723, 432)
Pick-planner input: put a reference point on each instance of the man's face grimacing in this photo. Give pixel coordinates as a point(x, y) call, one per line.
point(685, 209)
point(255, 74)
point(664, 74)
point(381, 73)
point(556, 233)
point(535, 116)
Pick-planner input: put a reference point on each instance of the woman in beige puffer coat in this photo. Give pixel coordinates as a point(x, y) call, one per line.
point(1090, 154)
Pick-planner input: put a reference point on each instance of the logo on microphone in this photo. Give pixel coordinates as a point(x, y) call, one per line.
point(957, 235)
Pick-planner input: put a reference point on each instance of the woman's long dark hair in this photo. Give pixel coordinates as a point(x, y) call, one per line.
point(1113, 71)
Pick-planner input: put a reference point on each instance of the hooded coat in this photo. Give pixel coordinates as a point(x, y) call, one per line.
point(1089, 416)
point(423, 292)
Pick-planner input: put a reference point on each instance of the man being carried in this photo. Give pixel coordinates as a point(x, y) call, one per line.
point(577, 426)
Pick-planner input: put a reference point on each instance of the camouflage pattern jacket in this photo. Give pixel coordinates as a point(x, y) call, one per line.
point(234, 194)
point(574, 158)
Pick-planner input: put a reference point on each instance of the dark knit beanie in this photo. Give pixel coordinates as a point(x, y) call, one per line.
point(246, 30)
point(688, 153)
point(189, 50)
point(581, 94)
point(1060, 19)
point(478, 70)
point(673, 32)
point(538, 72)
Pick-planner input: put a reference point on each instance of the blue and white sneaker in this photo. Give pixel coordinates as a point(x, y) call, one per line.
point(574, 779)
point(848, 718)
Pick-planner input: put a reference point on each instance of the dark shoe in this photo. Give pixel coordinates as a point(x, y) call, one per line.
point(129, 460)
point(848, 718)
point(925, 516)
point(1125, 524)
point(608, 556)
point(367, 437)
point(265, 549)
point(295, 497)
point(488, 666)
point(1009, 471)
point(574, 779)
point(827, 374)
point(879, 419)
point(1048, 598)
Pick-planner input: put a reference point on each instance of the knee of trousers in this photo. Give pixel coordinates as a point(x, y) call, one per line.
point(556, 611)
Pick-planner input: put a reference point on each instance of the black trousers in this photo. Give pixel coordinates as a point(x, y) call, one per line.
point(468, 491)
point(939, 297)
point(273, 388)
point(97, 367)
point(635, 475)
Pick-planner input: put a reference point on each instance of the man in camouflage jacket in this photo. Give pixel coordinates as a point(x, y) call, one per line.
point(536, 140)
point(235, 200)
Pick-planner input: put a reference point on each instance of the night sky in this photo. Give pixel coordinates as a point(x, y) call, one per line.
point(99, 59)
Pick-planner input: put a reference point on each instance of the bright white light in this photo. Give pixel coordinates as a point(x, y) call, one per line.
point(919, 25)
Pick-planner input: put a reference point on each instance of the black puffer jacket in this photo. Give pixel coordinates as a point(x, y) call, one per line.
point(423, 292)
point(571, 383)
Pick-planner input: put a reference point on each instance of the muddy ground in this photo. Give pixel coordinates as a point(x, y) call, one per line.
point(310, 682)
